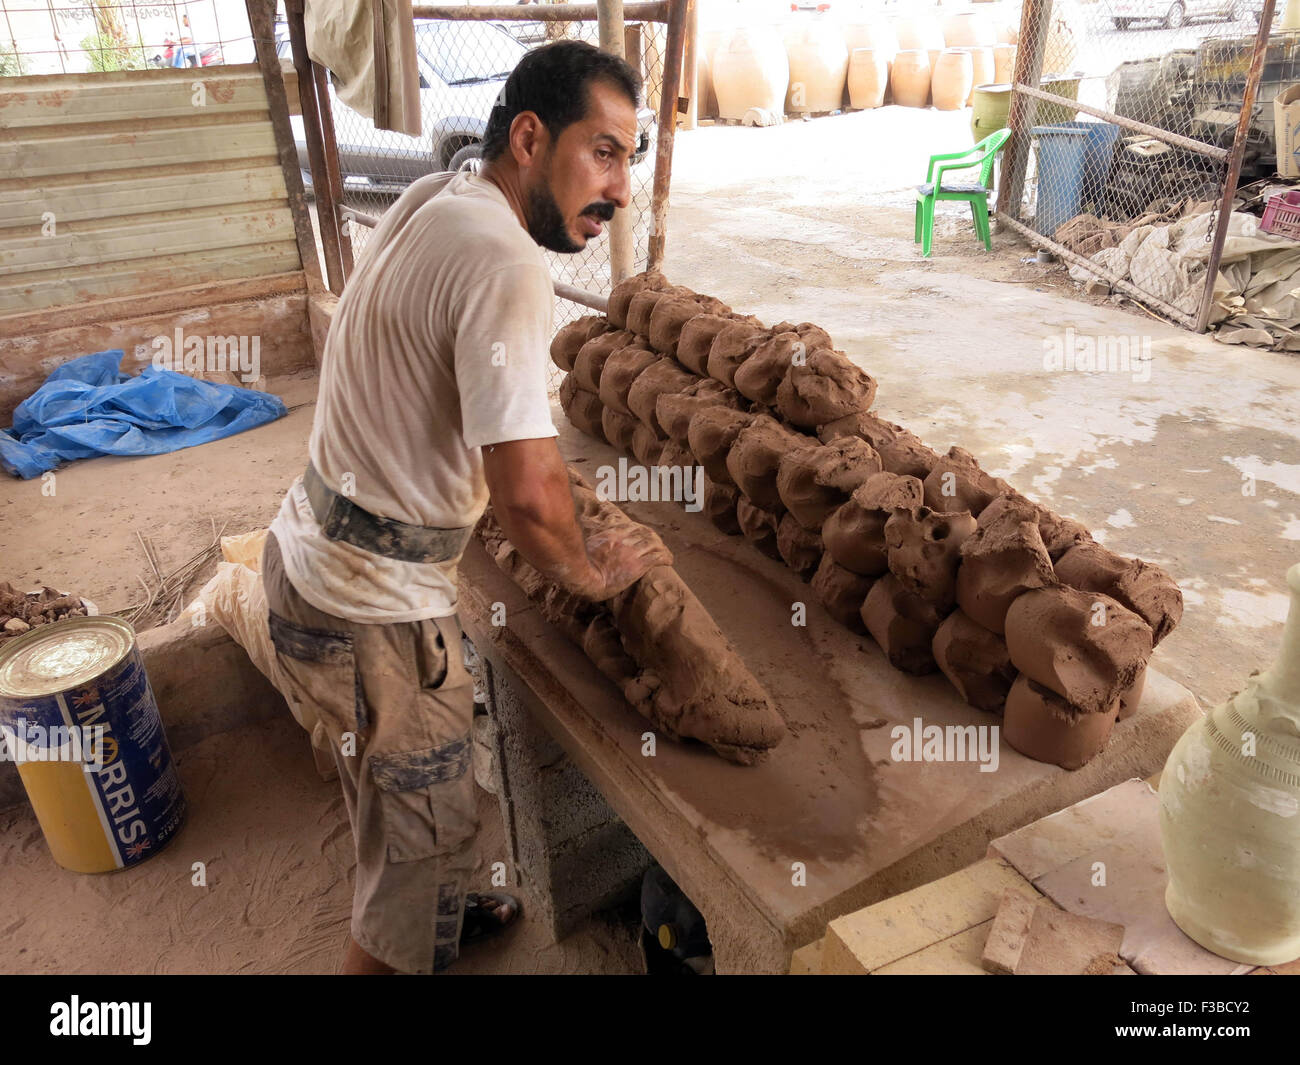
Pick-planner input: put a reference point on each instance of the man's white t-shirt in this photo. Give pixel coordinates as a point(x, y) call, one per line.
point(439, 345)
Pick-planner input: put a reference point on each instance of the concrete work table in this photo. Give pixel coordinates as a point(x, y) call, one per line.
point(828, 823)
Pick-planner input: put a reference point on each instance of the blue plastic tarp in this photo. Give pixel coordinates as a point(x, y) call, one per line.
point(87, 407)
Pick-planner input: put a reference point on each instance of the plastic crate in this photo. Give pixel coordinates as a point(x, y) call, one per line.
point(1282, 215)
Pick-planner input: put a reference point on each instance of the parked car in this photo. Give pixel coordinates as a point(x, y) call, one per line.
point(463, 66)
point(1173, 14)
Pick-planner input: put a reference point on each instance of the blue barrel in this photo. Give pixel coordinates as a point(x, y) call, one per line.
point(1074, 161)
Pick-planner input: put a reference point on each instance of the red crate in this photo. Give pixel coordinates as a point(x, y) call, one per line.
point(1282, 215)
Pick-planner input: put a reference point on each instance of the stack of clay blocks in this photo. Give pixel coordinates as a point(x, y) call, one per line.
point(946, 567)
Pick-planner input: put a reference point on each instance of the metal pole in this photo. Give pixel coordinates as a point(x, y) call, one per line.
point(679, 11)
point(1034, 23)
point(622, 248)
point(652, 11)
point(1234, 165)
point(327, 216)
point(262, 26)
point(691, 73)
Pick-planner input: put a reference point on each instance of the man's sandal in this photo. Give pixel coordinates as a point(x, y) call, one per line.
point(481, 915)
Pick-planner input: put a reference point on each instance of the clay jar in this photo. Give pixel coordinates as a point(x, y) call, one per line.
point(952, 80)
point(1004, 63)
point(750, 70)
point(982, 70)
point(818, 60)
point(1229, 796)
point(968, 29)
point(910, 78)
point(868, 78)
point(874, 34)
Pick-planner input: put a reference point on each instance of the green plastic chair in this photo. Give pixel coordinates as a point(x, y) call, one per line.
point(977, 195)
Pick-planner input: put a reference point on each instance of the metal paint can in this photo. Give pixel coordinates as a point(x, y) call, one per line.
point(79, 718)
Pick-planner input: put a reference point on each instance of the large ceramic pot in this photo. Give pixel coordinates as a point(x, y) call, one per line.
point(920, 32)
point(750, 71)
point(818, 63)
point(877, 35)
point(910, 77)
point(709, 41)
point(868, 78)
point(981, 68)
point(950, 84)
point(1230, 815)
point(1004, 63)
point(970, 29)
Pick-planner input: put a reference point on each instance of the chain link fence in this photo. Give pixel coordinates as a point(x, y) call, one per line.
point(1125, 163)
point(463, 65)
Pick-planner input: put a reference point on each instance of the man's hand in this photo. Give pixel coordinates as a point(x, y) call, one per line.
point(533, 503)
point(619, 558)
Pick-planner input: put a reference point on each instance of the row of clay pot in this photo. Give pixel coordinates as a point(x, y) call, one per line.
point(943, 565)
point(948, 79)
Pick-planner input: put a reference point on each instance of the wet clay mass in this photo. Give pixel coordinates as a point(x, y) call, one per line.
point(957, 483)
point(720, 506)
point(759, 527)
point(619, 428)
point(674, 410)
point(1003, 559)
point(799, 548)
point(620, 372)
point(697, 336)
point(643, 305)
point(756, 456)
point(1084, 646)
point(975, 660)
point(657, 643)
point(568, 341)
point(1041, 725)
point(621, 297)
point(761, 374)
point(711, 434)
point(591, 358)
point(855, 533)
point(675, 455)
point(731, 347)
point(903, 624)
point(585, 410)
point(925, 551)
point(900, 451)
point(825, 387)
point(659, 378)
point(842, 593)
point(672, 313)
point(1145, 589)
point(1131, 697)
point(815, 480)
point(646, 445)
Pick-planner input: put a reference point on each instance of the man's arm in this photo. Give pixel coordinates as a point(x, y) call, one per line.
point(533, 503)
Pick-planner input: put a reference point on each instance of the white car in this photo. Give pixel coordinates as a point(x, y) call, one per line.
point(1173, 14)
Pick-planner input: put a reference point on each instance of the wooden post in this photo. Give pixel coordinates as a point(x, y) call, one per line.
point(1234, 164)
point(622, 249)
point(1035, 22)
point(327, 215)
point(261, 22)
point(691, 73)
point(678, 12)
point(332, 161)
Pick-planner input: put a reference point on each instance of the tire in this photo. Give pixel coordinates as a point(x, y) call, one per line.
point(1176, 17)
point(1122, 23)
point(467, 158)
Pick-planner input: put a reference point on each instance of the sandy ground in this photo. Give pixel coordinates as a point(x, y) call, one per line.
point(810, 221)
point(277, 859)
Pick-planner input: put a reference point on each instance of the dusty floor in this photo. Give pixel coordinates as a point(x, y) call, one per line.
point(808, 221)
point(277, 855)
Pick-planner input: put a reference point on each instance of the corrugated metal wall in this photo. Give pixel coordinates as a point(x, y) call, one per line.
point(137, 182)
